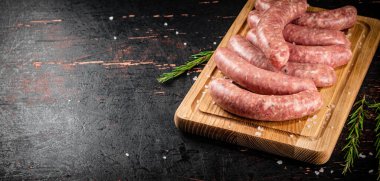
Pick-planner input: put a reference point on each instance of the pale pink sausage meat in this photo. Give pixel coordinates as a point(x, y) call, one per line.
point(249, 52)
point(336, 19)
point(264, 107)
point(333, 55)
point(322, 75)
point(258, 80)
point(251, 36)
point(269, 30)
point(263, 5)
point(303, 35)
point(253, 18)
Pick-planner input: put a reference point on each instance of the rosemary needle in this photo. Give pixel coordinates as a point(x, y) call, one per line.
point(355, 124)
point(195, 60)
point(376, 106)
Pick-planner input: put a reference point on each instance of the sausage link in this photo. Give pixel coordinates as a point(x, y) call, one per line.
point(333, 55)
point(253, 18)
point(303, 35)
point(322, 75)
point(264, 107)
point(269, 30)
point(336, 19)
point(258, 80)
point(250, 53)
point(251, 37)
point(263, 5)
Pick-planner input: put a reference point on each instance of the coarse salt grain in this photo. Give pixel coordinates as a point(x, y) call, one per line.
point(321, 170)
point(195, 78)
point(370, 153)
point(316, 172)
point(361, 155)
point(114, 37)
point(206, 86)
point(164, 157)
point(332, 171)
point(214, 43)
point(291, 135)
point(110, 18)
point(165, 24)
point(260, 128)
point(176, 32)
point(370, 171)
point(126, 154)
point(279, 162)
point(188, 73)
point(185, 43)
point(258, 134)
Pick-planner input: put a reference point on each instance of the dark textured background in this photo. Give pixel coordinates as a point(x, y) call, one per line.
point(74, 101)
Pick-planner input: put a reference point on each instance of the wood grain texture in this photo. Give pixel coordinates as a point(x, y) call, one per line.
point(306, 139)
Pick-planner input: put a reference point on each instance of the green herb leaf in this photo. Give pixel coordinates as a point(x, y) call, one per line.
point(355, 124)
point(195, 60)
point(376, 106)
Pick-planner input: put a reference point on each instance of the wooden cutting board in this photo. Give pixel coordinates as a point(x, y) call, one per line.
point(310, 139)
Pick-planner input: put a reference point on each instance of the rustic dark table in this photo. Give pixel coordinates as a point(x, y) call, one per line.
point(79, 99)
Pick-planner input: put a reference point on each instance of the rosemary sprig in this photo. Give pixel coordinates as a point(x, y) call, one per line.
point(195, 60)
point(376, 106)
point(355, 124)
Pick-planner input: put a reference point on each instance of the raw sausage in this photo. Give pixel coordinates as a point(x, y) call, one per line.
point(253, 18)
point(303, 35)
point(258, 80)
point(251, 36)
point(269, 30)
point(263, 107)
point(333, 55)
point(263, 5)
point(322, 75)
point(249, 52)
point(336, 19)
